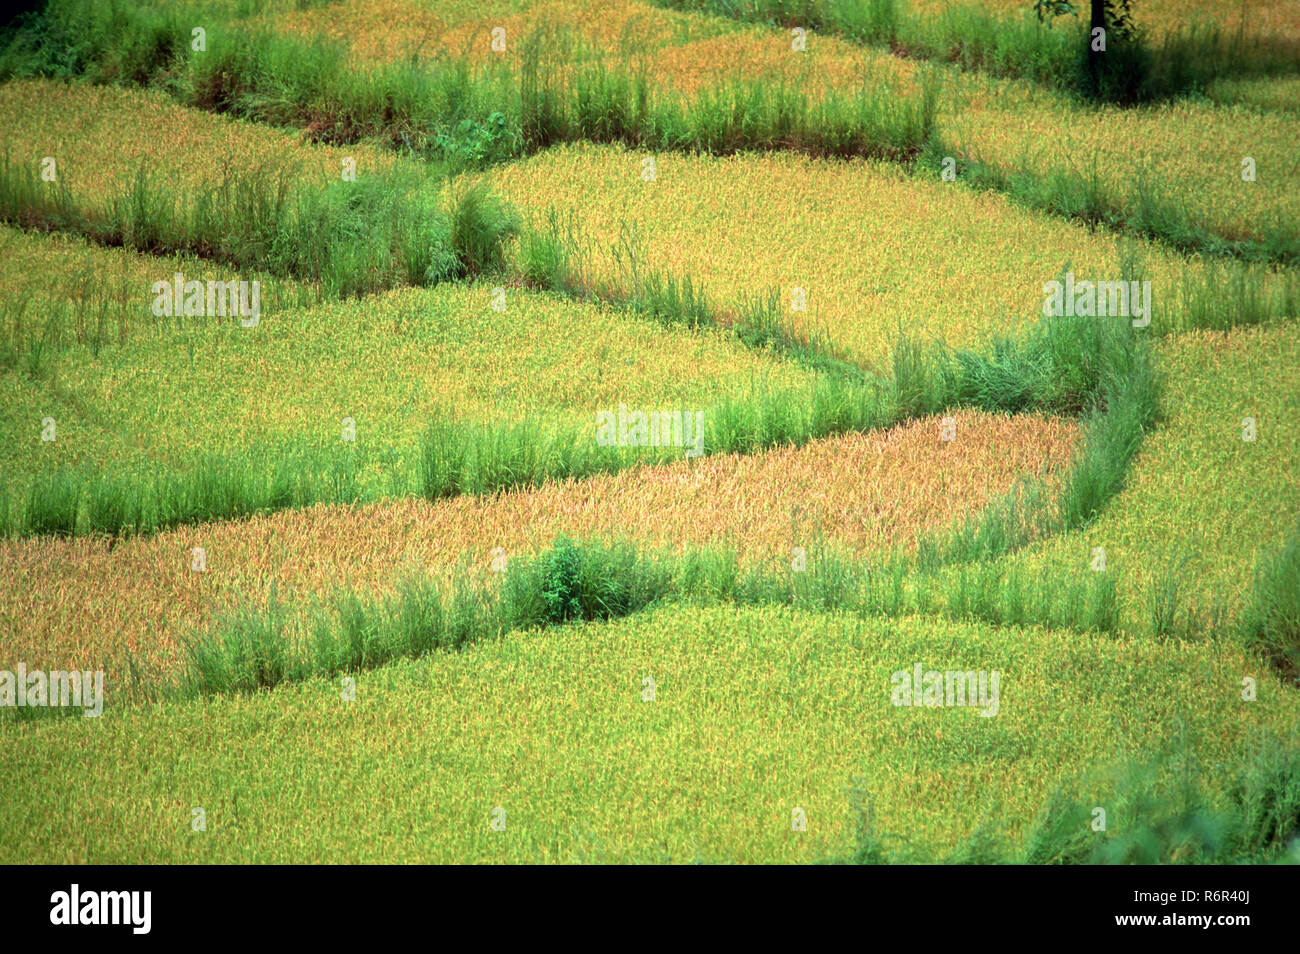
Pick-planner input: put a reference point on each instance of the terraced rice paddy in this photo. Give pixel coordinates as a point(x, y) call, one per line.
point(389, 365)
point(1013, 126)
point(602, 452)
point(829, 229)
point(1202, 499)
point(385, 31)
point(864, 492)
point(105, 135)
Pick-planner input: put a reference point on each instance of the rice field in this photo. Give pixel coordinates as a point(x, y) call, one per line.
point(828, 230)
point(395, 30)
point(389, 365)
point(626, 403)
point(1203, 500)
point(104, 136)
point(553, 730)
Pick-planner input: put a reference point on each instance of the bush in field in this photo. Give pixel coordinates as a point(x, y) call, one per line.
point(472, 143)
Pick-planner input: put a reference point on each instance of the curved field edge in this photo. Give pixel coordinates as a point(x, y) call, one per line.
point(1064, 366)
point(862, 493)
point(1212, 489)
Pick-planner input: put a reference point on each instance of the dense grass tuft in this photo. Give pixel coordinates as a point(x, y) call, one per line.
point(383, 230)
point(1156, 813)
point(1272, 622)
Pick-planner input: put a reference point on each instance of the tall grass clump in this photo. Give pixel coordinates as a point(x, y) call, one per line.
point(385, 229)
point(117, 41)
point(1002, 596)
point(1272, 618)
point(1149, 208)
point(1222, 296)
point(53, 501)
point(250, 652)
point(1099, 369)
point(69, 500)
point(1165, 605)
point(481, 223)
point(550, 256)
point(1065, 366)
point(470, 457)
point(469, 113)
point(33, 334)
point(250, 647)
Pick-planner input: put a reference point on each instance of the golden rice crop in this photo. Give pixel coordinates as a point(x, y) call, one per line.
point(99, 136)
point(50, 270)
point(1191, 150)
point(752, 52)
point(390, 362)
point(403, 31)
point(863, 492)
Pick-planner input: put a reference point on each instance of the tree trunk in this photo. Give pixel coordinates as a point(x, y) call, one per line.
point(1095, 57)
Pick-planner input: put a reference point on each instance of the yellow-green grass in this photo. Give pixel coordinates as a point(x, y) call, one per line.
point(1197, 489)
point(100, 136)
point(390, 362)
point(876, 251)
point(403, 30)
point(857, 492)
point(756, 712)
point(1272, 93)
point(1191, 151)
